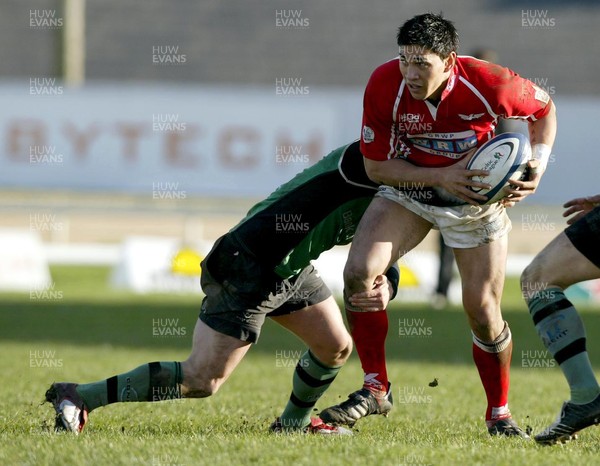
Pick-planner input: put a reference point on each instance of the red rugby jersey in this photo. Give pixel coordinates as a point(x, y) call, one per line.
point(477, 94)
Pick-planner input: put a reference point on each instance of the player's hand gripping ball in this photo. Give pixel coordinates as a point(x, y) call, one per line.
point(505, 157)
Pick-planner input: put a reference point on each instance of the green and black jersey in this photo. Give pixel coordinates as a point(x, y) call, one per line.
point(317, 209)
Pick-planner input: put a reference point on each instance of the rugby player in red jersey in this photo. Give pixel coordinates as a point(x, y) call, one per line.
point(425, 113)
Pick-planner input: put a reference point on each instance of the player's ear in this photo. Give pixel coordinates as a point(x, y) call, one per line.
point(449, 62)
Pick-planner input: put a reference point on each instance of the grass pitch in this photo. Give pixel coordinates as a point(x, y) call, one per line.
point(85, 332)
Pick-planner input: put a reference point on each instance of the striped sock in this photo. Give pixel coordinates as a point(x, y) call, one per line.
point(562, 331)
point(155, 381)
point(311, 379)
point(493, 363)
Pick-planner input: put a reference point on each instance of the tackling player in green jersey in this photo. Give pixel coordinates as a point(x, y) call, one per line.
point(261, 267)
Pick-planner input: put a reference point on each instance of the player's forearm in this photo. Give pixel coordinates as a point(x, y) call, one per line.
point(542, 134)
point(396, 172)
point(543, 131)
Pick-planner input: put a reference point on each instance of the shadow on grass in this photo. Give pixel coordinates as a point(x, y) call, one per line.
point(416, 333)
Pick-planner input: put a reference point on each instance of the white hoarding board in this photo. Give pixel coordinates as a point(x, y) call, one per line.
point(168, 142)
point(23, 265)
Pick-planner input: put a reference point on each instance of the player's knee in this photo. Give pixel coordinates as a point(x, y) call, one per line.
point(340, 354)
point(482, 308)
point(345, 351)
point(356, 277)
point(200, 387)
point(484, 330)
point(537, 277)
point(198, 381)
point(334, 353)
point(531, 274)
point(484, 314)
point(353, 278)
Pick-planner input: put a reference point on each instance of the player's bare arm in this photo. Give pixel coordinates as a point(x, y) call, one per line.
point(455, 179)
point(542, 133)
point(580, 207)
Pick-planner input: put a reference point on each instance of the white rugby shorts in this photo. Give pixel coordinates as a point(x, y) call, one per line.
point(462, 227)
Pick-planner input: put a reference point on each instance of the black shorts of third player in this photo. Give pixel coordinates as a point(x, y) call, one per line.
point(585, 233)
point(240, 292)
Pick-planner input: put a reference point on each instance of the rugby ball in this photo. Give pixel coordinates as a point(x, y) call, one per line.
point(505, 156)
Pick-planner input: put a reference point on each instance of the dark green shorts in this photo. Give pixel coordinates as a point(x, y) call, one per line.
point(241, 292)
point(585, 233)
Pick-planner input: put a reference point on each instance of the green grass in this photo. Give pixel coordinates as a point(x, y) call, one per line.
point(90, 333)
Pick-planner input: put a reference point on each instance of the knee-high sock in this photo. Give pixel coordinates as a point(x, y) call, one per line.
point(493, 363)
point(311, 379)
point(155, 381)
point(369, 331)
point(561, 329)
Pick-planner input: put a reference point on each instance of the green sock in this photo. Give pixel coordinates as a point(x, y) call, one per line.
point(561, 329)
point(155, 381)
point(311, 379)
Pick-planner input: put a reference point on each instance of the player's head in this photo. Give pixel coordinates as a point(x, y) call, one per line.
point(427, 45)
point(430, 31)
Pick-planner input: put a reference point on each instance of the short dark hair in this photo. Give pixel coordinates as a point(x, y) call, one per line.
point(430, 31)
